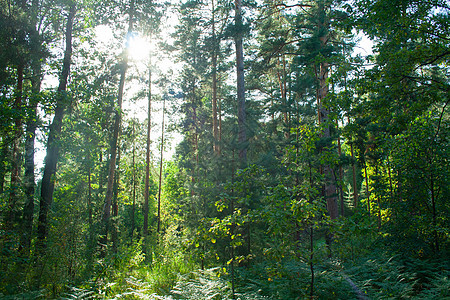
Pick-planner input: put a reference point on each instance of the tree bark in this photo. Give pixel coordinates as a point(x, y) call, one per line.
point(117, 121)
point(214, 83)
point(134, 192)
point(115, 204)
point(16, 158)
point(160, 166)
point(367, 187)
point(3, 162)
point(53, 146)
point(355, 190)
point(242, 136)
point(341, 178)
point(147, 154)
point(29, 180)
point(330, 186)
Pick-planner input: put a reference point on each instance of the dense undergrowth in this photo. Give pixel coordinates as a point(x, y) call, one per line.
point(378, 275)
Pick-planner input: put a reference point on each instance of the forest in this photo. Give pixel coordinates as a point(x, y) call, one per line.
point(218, 149)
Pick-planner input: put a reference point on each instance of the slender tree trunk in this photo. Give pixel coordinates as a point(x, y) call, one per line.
point(242, 135)
point(53, 147)
point(16, 159)
point(311, 241)
point(117, 121)
point(355, 189)
point(367, 187)
point(281, 75)
point(91, 243)
point(434, 215)
point(147, 154)
point(29, 179)
point(3, 162)
point(90, 203)
point(391, 189)
point(378, 198)
point(160, 166)
point(330, 186)
point(214, 82)
point(341, 177)
point(134, 191)
point(220, 125)
point(232, 229)
point(115, 204)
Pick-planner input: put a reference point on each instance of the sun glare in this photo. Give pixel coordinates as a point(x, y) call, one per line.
point(139, 48)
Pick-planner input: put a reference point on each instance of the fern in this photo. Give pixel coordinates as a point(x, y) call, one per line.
point(79, 294)
point(207, 285)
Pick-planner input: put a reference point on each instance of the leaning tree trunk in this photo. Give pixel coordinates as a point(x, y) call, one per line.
point(112, 162)
point(53, 145)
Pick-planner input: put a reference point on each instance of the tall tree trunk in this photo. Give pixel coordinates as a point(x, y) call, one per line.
point(3, 162)
point(89, 203)
point(391, 189)
point(117, 121)
point(161, 166)
point(281, 75)
point(242, 136)
point(194, 177)
point(341, 178)
point(16, 158)
point(29, 179)
point(367, 187)
point(147, 154)
point(214, 82)
point(311, 241)
point(355, 189)
point(330, 186)
point(434, 214)
point(134, 191)
point(232, 227)
point(53, 146)
point(378, 197)
point(115, 204)
point(220, 125)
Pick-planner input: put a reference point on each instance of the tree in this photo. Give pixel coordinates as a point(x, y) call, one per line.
point(238, 41)
point(115, 138)
point(53, 146)
point(406, 83)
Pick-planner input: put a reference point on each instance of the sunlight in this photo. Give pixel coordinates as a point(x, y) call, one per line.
point(139, 47)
